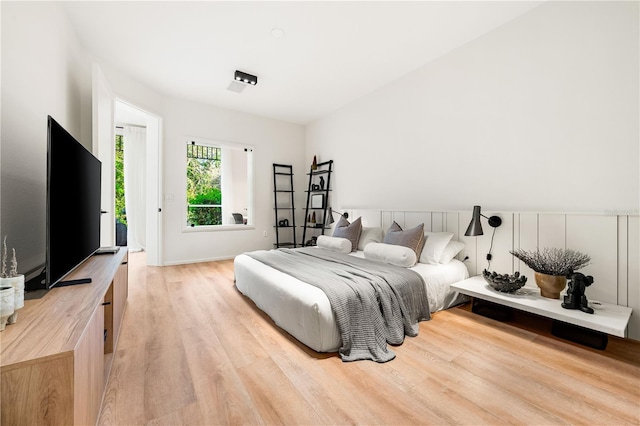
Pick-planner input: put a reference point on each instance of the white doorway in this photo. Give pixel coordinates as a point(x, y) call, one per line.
point(128, 118)
point(103, 148)
point(106, 108)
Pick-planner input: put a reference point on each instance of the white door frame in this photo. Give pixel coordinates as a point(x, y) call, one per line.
point(104, 148)
point(153, 231)
point(154, 190)
point(103, 119)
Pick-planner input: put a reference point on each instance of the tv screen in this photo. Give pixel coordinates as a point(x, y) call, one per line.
point(73, 203)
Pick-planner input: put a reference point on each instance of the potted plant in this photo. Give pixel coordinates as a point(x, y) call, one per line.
point(551, 267)
point(12, 279)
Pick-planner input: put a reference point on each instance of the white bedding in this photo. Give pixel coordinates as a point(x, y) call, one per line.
point(304, 310)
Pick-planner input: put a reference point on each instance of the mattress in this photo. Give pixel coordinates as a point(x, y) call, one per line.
point(304, 310)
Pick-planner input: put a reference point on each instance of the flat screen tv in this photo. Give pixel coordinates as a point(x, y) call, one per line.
point(73, 204)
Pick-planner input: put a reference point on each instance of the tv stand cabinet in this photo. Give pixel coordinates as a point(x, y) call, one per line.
point(55, 359)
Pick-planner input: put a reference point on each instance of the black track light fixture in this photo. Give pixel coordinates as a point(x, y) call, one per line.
point(246, 78)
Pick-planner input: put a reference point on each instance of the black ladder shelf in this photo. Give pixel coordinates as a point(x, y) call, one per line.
point(317, 201)
point(283, 206)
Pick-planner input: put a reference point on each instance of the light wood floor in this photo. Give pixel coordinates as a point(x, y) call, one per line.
point(193, 350)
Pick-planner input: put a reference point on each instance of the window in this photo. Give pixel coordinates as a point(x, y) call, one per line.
point(204, 193)
point(219, 184)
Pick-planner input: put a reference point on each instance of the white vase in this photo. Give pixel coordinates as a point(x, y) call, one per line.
point(7, 296)
point(17, 283)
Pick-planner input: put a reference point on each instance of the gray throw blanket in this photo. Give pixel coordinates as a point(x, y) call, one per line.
point(374, 303)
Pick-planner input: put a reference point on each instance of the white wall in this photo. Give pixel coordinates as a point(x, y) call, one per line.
point(131, 90)
point(553, 95)
point(273, 141)
point(540, 114)
point(44, 72)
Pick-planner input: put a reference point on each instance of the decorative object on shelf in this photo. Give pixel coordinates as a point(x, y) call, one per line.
point(16, 281)
point(315, 187)
point(312, 242)
point(575, 298)
point(309, 218)
point(3, 271)
point(550, 285)
point(7, 305)
point(551, 267)
point(12, 279)
point(321, 182)
point(504, 282)
point(313, 218)
point(283, 222)
point(317, 201)
point(314, 165)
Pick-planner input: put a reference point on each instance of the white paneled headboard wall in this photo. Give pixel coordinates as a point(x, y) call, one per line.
point(612, 241)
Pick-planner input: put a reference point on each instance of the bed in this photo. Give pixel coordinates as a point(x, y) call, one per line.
point(304, 310)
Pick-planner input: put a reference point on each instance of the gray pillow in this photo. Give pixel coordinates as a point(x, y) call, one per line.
point(412, 238)
point(350, 231)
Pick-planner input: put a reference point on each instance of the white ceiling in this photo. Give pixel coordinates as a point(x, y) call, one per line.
point(331, 53)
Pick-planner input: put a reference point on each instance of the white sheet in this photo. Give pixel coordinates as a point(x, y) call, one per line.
point(437, 279)
point(304, 310)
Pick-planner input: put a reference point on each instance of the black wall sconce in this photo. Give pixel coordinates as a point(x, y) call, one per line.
point(243, 77)
point(331, 212)
point(475, 226)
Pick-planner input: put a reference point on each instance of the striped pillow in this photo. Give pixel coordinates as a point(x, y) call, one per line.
point(412, 238)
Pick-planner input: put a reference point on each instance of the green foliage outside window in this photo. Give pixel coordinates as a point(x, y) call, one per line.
point(214, 196)
point(198, 216)
point(203, 190)
point(121, 215)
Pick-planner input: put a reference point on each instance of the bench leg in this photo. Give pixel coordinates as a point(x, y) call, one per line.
point(491, 310)
point(581, 335)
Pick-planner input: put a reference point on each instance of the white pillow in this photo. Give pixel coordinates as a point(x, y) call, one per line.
point(369, 235)
point(351, 231)
point(389, 253)
point(450, 251)
point(341, 245)
point(434, 246)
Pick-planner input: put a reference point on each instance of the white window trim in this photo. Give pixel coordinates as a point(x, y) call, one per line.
point(250, 184)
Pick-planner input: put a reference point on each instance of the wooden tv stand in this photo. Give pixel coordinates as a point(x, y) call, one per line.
point(55, 360)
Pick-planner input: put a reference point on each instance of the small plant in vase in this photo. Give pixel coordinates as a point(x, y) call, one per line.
point(12, 279)
point(551, 267)
point(3, 272)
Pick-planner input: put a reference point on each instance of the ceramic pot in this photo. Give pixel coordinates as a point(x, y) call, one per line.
point(550, 285)
point(7, 296)
point(17, 283)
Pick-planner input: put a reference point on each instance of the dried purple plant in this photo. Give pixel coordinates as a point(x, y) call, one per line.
point(553, 261)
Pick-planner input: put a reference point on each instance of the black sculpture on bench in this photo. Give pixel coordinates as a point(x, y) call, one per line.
point(575, 298)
